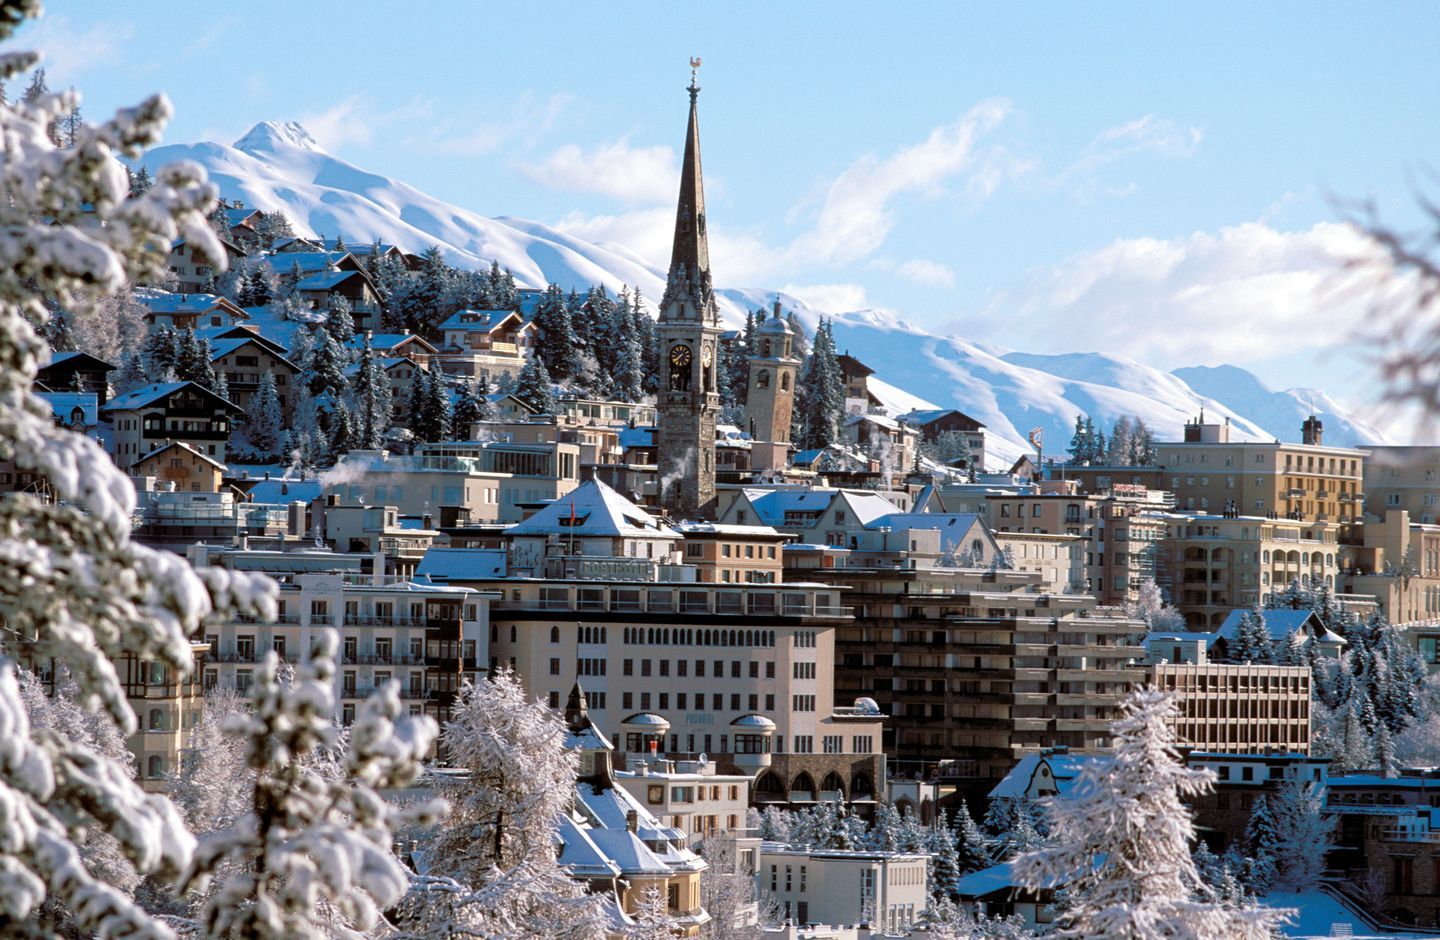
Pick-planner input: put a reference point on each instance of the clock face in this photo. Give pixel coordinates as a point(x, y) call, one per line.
point(680, 356)
point(705, 357)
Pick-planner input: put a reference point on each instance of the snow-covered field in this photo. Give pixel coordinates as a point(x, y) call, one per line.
point(1318, 915)
point(279, 166)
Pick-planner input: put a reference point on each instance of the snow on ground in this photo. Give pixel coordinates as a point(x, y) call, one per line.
point(1318, 913)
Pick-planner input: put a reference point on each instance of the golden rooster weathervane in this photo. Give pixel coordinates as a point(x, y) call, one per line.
point(694, 66)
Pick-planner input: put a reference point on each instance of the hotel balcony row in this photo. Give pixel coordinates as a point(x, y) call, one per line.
point(720, 600)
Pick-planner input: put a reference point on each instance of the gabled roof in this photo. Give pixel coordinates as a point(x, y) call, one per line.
point(579, 855)
point(163, 301)
point(224, 347)
point(234, 217)
point(462, 564)
point(1280, 623)
point(76, 361)
point(771, 505)
point(487, 320)
point(1063, 771)
point(63, 405)
point(285, 491)
point(852, 366)
point(386, 364)
point(215, 334)
point(148, 395)
point(309, 262)
point(327, 280)
point(924, 416)
point(947, 523)
point(596, 511)
point(187, 449)
point(387, 341)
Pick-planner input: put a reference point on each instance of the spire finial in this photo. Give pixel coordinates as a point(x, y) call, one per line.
point(694, 67)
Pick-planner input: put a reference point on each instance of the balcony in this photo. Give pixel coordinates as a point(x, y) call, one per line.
point(383, 659)
point(1399, 834)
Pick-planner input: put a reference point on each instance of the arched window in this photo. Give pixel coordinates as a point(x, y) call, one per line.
point(833, 784)
point(769, 788)
point(803, 786)
point(762, 378)
point(784, 381)
point(512, 633)
point(554, 635)
point(861, 785)
point(157, 720)
point(765, 348)
point(155, 767)
point(603, 637)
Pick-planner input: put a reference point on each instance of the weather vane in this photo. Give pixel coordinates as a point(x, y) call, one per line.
point(694, 66)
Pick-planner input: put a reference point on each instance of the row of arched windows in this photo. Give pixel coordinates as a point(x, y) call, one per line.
point(585, 634)
point(687, 636)
point(770, 784)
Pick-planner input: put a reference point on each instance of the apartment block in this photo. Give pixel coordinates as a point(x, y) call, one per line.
point(1238, 708)
point(836, 886)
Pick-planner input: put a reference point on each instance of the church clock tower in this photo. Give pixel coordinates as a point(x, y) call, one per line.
point(689, 332)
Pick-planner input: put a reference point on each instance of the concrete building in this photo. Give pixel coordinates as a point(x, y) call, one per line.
point(1238, 708)
point(835, 886)
point(595, 590)
point(1213, 564)
point(734, 553)
point(1398, 564)
point(1405, 478)
point(973, 665)
point(416, 485)
point(1387, 838)
point(770, 395)
point(1310, 482)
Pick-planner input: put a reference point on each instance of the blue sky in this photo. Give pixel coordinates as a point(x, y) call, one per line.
point(1149, 180)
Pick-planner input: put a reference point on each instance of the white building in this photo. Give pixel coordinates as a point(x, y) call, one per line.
point(835, 886)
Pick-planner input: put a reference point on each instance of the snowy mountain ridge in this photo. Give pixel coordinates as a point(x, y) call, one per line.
point(279, 165)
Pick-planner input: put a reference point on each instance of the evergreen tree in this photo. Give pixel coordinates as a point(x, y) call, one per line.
point(1122, 444)
point(534, 388)
point(628, 373)
point(1123, 840)
point(1079, 447)
point(323, 370)
point(271, 228)
point(1094, 443)
point(370, 393)
point(884, 835)
point(557, 347)
point(1262, 843)
point(264, 423)
point(222, 386)
point(470, 407)
point(433, 422)
point(972, 850)
point(1252, 641)
point(341, 428)
point(821, 403)
point(1143, 449)
point(339, 322)
point(140, 182)
point(308, 443)
point(421, 300)
point(944, 869)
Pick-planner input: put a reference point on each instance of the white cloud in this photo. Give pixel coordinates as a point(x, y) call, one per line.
point(646, 232)
point(350, 121)
point(830, 298)
point(70, 49)
point(631, 174)
point(928, 273)
point(856, 212)
point(1243, 294)
point(526, 122)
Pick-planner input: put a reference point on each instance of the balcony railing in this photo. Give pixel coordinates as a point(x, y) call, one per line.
point(383, 659)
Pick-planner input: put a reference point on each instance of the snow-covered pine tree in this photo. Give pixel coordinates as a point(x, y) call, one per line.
point(820, 403)
point(493, 860)
point(162, 354)
point(469, 408)
point(557, 345)
point(1151, 608)
point(313, 854)
point(1122, 843)
point(323, 370)
point(264, 422)
point(533, 386)
point(435, 407)
point(1143, 452)
point(1262, 844)
point(944, 870)
point(272, 227)
point(775, 824)
point(339, 320)
point(222, 386)
point(973, 853)
point(629, 368)
point(415, 400)
point(1079, 442)
point(74, 590)
point(1121, 447)
point(1252, 641)
point(370, 394)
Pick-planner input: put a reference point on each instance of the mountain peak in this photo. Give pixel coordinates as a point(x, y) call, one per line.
point(275, 136)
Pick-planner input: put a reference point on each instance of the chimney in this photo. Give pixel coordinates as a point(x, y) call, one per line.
point(1312, 432)
point(632, 821)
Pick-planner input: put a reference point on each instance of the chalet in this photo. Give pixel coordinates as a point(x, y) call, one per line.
point(192, 271)
point(170, 411)
point(855, 376)
point(195, 311)
point(889, 443)
point(244, 360)
point(244, 223)
point(391, 345)
point(361, 250)
point(182, 465)
point(250, 331)
point(485, 343)
point(933, 423)
point(76, 371)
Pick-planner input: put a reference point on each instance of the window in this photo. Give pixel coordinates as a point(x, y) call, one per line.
point(554, 667)
point(832, 744)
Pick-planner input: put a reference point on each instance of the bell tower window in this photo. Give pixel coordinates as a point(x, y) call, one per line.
point(762, 379)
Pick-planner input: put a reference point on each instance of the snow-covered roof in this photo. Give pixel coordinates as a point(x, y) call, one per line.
point(286, 491)
point(325, 280)
point(1280, 623)
point(733, 531)
point(637, 437)
point(185, 447)
point(224, 347)
point(1061, 770)
point(63, 405)
point(148, 395)
point(387, 341)
point(593, 509)
point(986, 881)
point(163, 301)
point(309, 262)
point(956, 523)
point(580, 855)
point(752, 720)
point(771, 505)
point(386, 364)
point(461, 564)
point(478, 319)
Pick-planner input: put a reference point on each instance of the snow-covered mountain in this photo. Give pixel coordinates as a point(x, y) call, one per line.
point(280, 166)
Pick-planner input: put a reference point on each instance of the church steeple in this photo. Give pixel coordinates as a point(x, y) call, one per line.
point(689, 274)
point(689, 331)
